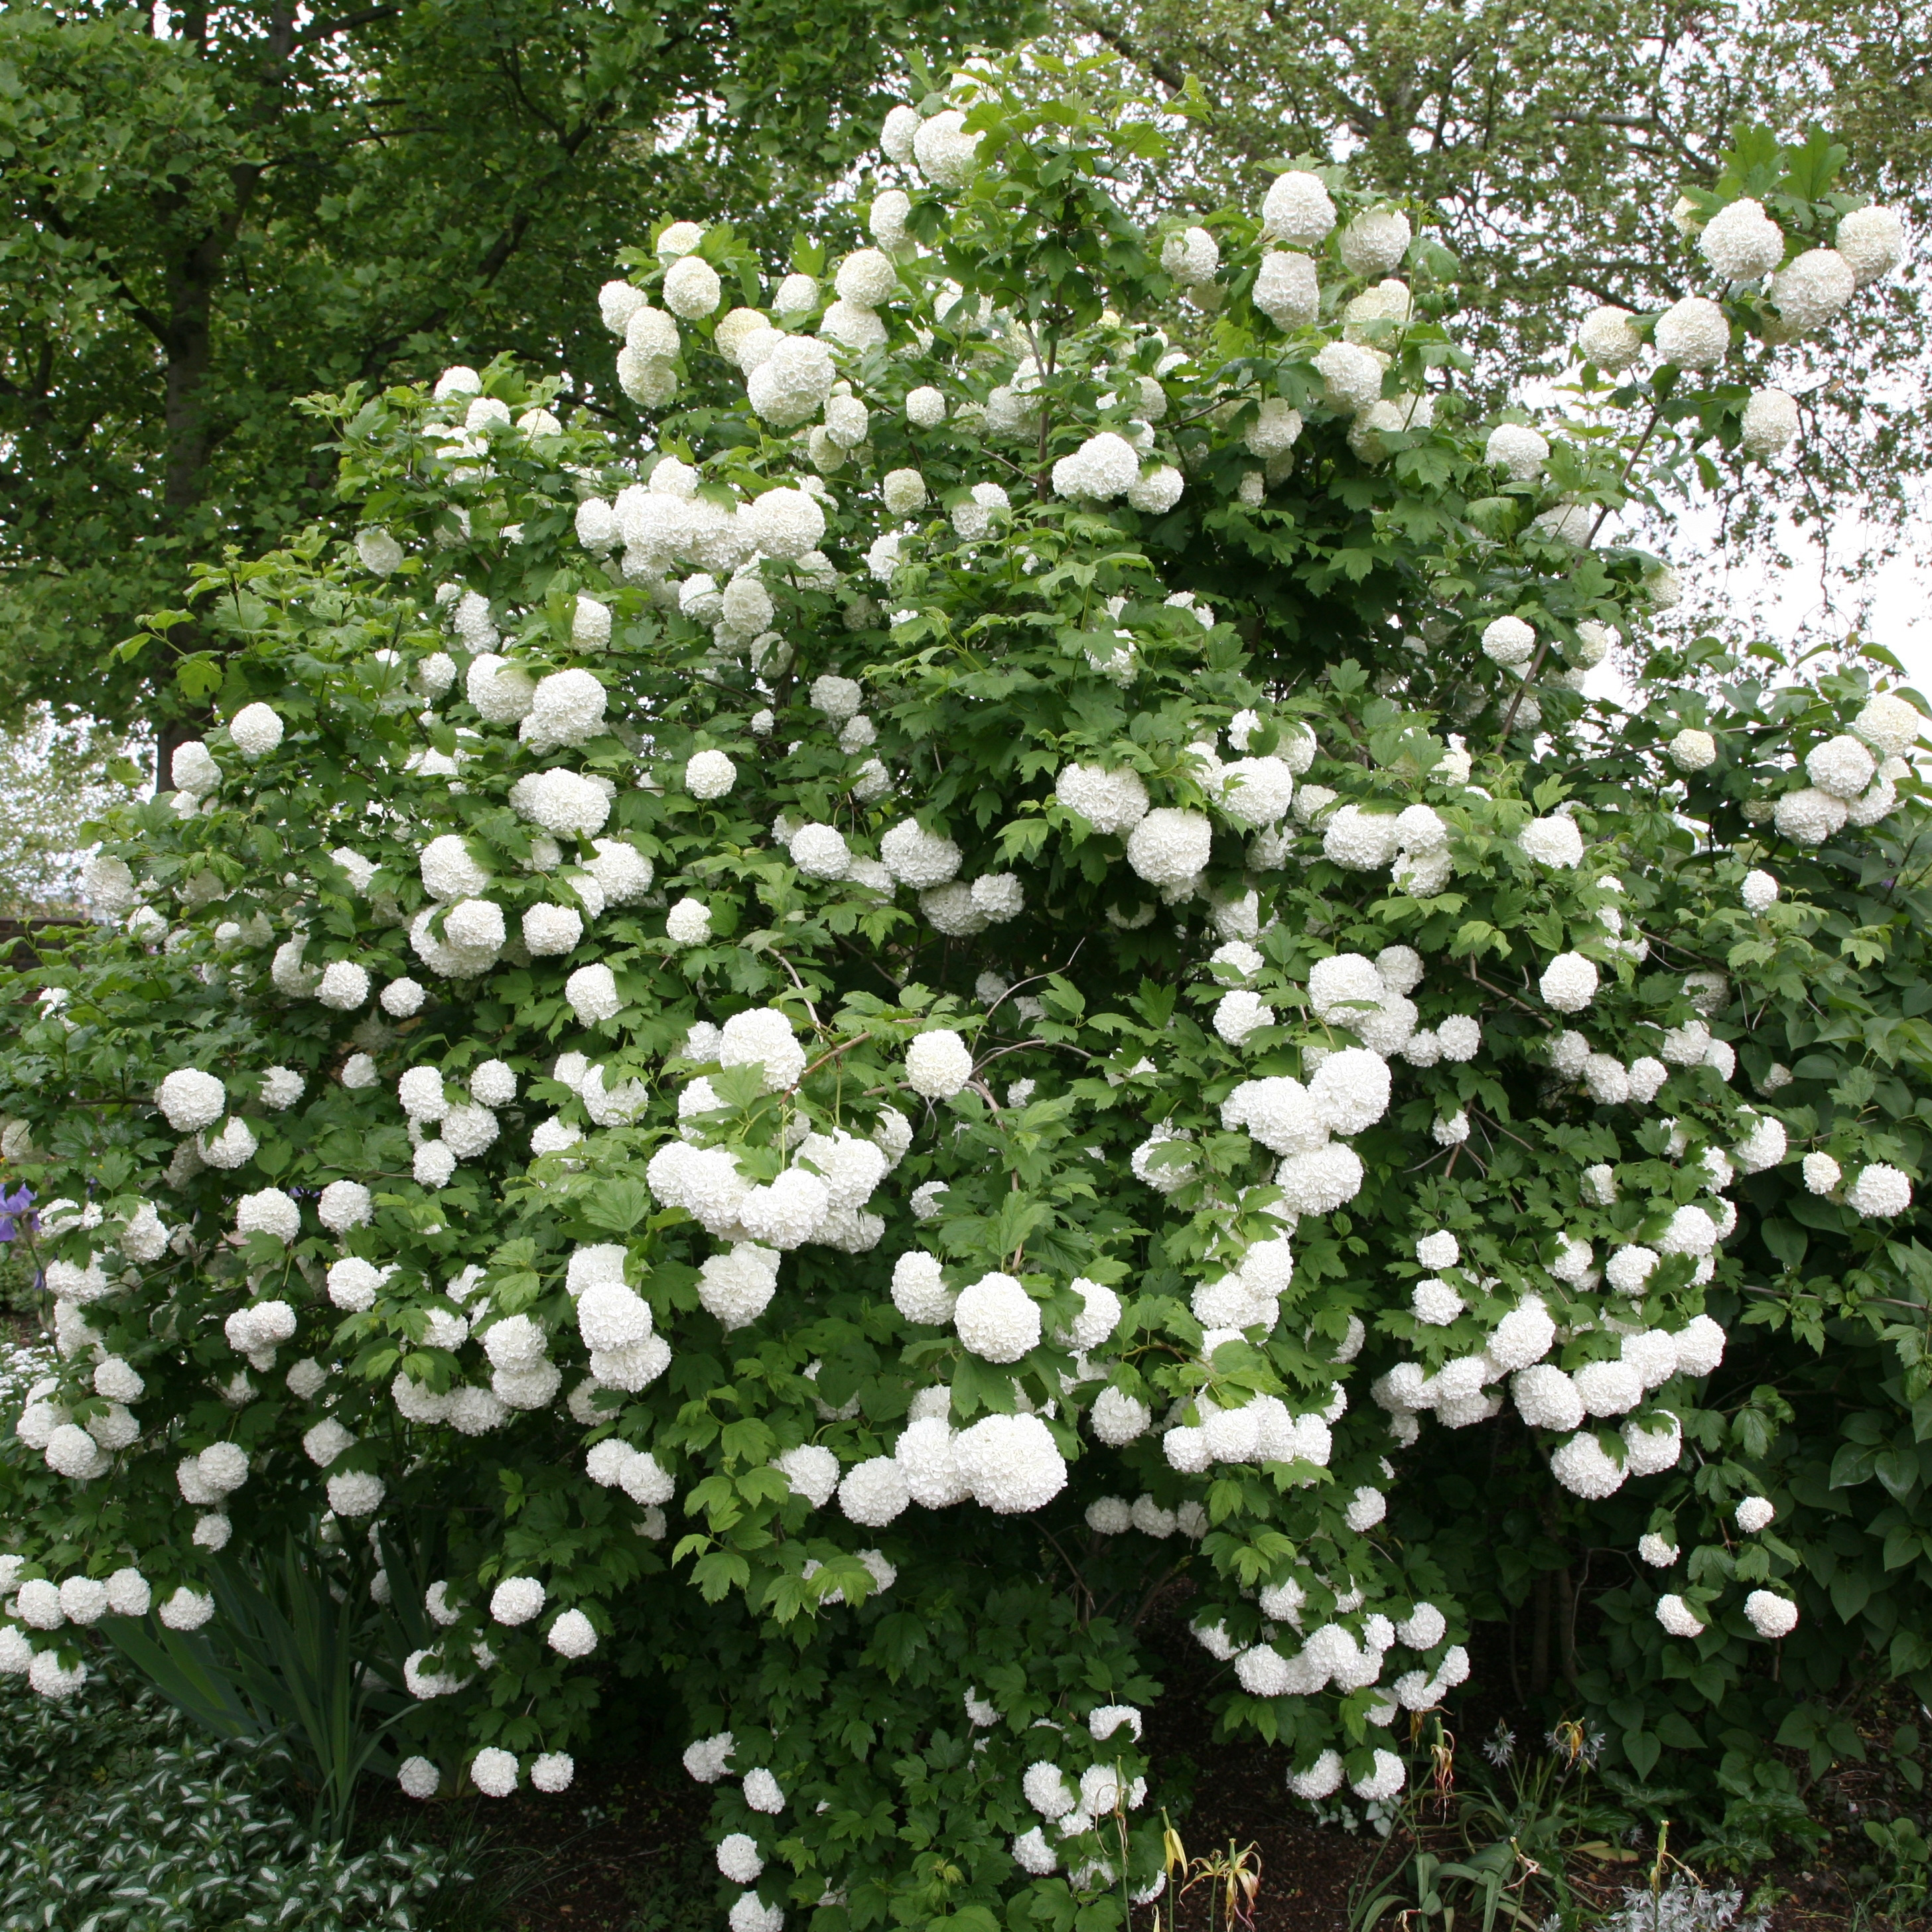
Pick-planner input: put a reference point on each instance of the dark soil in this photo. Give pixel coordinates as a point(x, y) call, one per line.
point(627, 1852)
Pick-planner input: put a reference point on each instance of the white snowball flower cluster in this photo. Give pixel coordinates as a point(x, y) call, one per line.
point(1569, 983)
point(1811, 291)
point(1694, 333)
point(1741, 242)
point(997, 1319)
point(938, 1063)
point(1169, 847)
point(1771, 1616)
point(1879, 1192)
point(1105, 465)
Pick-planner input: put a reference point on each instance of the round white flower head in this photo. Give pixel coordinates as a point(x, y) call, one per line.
point(1104, 467)
point(1656, 1551)
point(1741, 242)
point(1692, 750)
point(1754, 1514)
point(739, 1858)
point(1517, 450)
point(1111, 802)
point(573, 1635)
point(709, 775)
point(812, 1471)
point(591, 992)
point(762, 1036)
point(355, 1493)
point(270, 1212)
point(918, 858)
point(1769, 423)
point(1810, 815)
point(1771, 1616)
point(1678, 1617)
point(1872, 241)
point(1359, 841)
point(938, 1063)
point(566, 708)
point(1878, 1192)
point(1888, 724)
point(904, 491)
point(186, 1610)
point(1841, 765)
point(344, 1204)
point(1365, 1508)
point(919, 1289)
point(925, 407)
point(378, 551)
point(191, 1100)
point(1170, 847)
point(1350, 1090)
point(193, 770)
point(1288, 293)
point(691, 288)
point(874, 1492)
point(1569, 983)
point(1585, 1467)
point(1384, 1780)
point(256, 731)
point(947, 155)
point(1256, 792)
point(866, 277)
point(763, 1792)
point(50, 1679)
point(688, 923)
point(418, 1777)
point(1811, 293)
point(997, 1319)
point(516, 1599)
point(1693, 334)
point(1011, 1463)
point(784, 523)
point(1374, 242)
point(1608, 339)
point(352, 1284)
point(1554, 841)
point(750, 1913)
point(1322, 1778)
point(1274, 431)
point(707, 1758)
point(493, 1772)
point(502, 692)
point(1351, 375)
point(1297, 209)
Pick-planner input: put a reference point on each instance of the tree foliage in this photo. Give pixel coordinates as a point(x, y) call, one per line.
point(259, 201)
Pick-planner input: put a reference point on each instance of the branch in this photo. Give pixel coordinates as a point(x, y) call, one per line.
point(346, 23)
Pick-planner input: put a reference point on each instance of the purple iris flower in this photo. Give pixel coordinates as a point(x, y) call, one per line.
point(14, 1207)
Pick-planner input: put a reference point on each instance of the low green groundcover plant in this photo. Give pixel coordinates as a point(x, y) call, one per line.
point(1008, 966)
point(115, 1818)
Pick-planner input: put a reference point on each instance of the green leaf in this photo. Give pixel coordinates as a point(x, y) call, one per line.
point(618, 1205)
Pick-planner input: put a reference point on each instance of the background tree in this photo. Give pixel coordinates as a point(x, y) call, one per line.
point(212, 211)
point(56, 774)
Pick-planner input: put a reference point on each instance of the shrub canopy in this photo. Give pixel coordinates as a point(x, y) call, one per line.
point(1000, 980)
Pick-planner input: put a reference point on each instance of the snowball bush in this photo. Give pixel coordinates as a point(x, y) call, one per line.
point(866, 1193)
